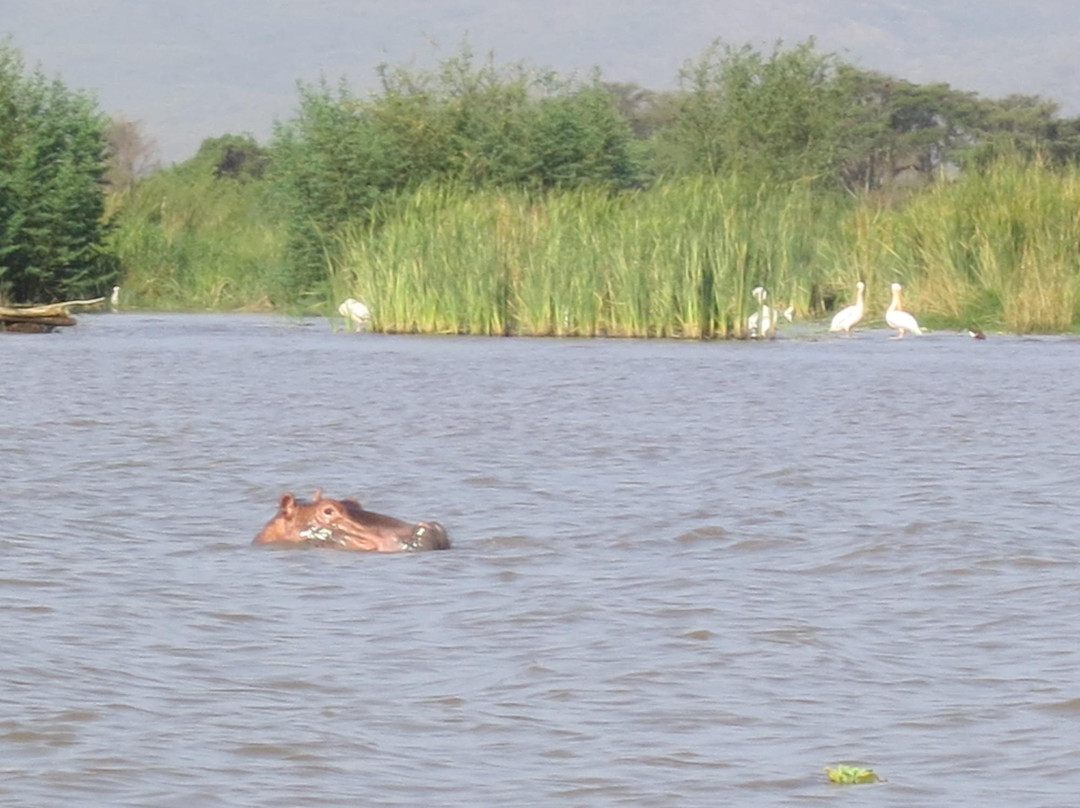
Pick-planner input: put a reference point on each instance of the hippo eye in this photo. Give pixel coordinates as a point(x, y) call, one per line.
point(328, 511)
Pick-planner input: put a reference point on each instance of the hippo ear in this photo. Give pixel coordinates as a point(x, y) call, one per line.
point(288, 505)
point(318, 495)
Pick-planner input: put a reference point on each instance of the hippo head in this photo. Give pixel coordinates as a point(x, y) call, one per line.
point(345, 524)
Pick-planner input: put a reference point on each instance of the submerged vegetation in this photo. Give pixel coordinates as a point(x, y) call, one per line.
point(844, 774)
point(486, 199)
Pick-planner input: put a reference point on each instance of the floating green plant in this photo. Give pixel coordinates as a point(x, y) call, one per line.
point(847, 775)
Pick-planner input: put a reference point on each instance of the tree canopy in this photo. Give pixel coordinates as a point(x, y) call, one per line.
point(52, 167)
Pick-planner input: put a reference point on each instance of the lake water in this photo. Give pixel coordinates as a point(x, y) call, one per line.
point(684, 573)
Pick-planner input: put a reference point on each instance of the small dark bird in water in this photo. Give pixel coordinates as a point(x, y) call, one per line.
point(976, 333)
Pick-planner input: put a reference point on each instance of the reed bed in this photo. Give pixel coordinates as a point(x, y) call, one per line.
point(998, 248)
point(678, 260)
point(208, 245)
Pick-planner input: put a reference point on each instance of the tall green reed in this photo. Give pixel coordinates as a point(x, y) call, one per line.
point(199, 243)
point(678, 260)
point(998, 248)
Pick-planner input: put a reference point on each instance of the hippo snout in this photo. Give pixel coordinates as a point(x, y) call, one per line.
point(427, 536)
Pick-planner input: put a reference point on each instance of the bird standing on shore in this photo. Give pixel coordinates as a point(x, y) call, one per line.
point(898, 318)
point(847, 318)
point(762, 317)
point(763, 322)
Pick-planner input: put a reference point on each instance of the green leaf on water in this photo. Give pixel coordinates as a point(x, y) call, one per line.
point(847, 775)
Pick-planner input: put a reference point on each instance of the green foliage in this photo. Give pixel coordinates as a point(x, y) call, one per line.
point(579, 138)
point(238, 157)
point(52, 164)
point(777, 118)
point(796, 113)
point(677, 260)
point(479, 198)
point(466, 121)
point(999, 246)
point(197, 237)
point(330, 165)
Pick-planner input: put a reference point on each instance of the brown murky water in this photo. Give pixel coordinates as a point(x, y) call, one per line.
point(684, 574)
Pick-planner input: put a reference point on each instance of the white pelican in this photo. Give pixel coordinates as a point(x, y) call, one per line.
point(898, 319)
point(762, 314)
point(765, 316)
point(847, 318)
point(355, 312)
point(114, 298)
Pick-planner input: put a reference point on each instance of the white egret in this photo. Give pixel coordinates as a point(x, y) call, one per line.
point(847, 318)
point(355, 312)
point(765, 316)
point(114, 299)
point(899, 319)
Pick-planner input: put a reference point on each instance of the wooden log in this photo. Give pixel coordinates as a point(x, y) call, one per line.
point(40, 319)
point(49, 309)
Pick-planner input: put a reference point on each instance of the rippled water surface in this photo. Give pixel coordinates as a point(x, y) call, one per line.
point(684, 574)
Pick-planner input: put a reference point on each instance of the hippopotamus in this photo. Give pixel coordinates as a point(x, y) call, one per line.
point(344, 523)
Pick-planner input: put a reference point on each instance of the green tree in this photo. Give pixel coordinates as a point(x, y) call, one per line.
point(581, 138)
point(330, 164)
point(469, 121)
point(647, 111)
point(1028, 125)
point(778, 116)
point(52, 166)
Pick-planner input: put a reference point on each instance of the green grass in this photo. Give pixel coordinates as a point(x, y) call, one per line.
point(675, 261)
point(998, 249)
point(188, 241)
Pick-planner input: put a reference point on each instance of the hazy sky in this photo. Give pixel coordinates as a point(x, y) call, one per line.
point(190, 69)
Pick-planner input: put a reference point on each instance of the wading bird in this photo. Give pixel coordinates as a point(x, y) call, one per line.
point(899, 319)
point(355, 312)
point(765, 316)
point(847, 318)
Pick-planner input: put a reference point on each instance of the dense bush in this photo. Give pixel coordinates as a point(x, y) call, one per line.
point(470, 122)
point(52, 165)
point(205, 234)
point(779, 117)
